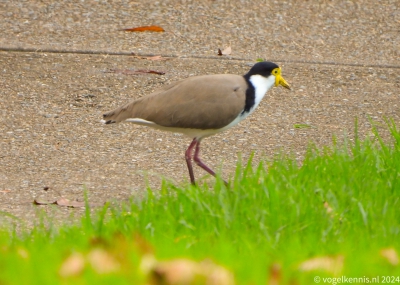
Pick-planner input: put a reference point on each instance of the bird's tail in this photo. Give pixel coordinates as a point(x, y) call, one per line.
point(108, 118)
point(119, 114)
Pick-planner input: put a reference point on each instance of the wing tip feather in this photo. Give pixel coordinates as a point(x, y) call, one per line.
point(107, 122)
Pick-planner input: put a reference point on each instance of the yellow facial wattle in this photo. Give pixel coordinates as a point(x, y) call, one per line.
point(279, 80)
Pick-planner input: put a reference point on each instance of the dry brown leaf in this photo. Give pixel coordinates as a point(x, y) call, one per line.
point(390, 254)
point(275, 273)
point(73, 265)
point(226, 51)
point(153, 58)
point(143, 246)
point(185, 271)
point(68, 203)
point(134, 72)
point(328, 208)
point(43, 202)
point(102, 261)
point(138, 56)
point(98, 241)
point(147, 264)
point(179, 271)
point(121, 71)
point(76, 204)
point(150, 71)
point(145, 29)
point(157, 57)
point(22, 252)
point(215, 274)
point(331, 264)
point(65, 203)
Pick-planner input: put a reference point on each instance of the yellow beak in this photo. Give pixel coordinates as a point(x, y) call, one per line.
point(279, 80)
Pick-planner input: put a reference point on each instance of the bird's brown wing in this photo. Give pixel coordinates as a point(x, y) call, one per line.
point(200, 102)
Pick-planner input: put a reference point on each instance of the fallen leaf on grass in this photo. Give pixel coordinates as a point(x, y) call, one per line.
point(134, 72)
point(22, 252)
point(185, 271)
point(226, 51)
point(73, 265)
point(102, 262)
point(145, 29)
point(275, 272)
point(390, 254)
point(215, 274)
point(328, 207)
point(142, 244)
point(331, 264)
point(179, 271)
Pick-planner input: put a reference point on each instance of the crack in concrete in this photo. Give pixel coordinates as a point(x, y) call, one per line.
point(62, 51)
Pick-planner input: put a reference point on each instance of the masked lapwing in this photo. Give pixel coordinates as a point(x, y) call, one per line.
point(201, 106)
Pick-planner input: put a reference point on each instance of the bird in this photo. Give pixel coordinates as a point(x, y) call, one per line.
point(201, 106)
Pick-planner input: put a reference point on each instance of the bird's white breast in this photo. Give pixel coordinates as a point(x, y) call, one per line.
point(261, 85)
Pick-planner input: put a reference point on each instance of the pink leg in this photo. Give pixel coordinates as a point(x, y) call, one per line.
point(188, 157)
point(197, 159)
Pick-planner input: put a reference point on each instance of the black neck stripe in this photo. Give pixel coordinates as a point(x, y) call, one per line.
point(250, 95)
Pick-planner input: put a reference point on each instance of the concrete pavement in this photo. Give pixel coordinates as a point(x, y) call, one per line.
point(342, 59)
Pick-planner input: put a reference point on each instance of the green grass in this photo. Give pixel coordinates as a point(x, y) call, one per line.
point(342, 201)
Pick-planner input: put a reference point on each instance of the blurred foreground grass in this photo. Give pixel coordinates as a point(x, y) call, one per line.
point(279, 223)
